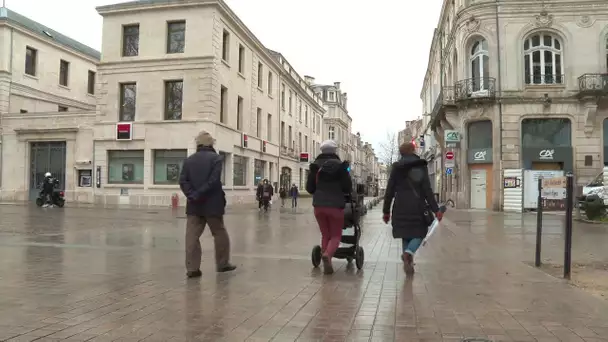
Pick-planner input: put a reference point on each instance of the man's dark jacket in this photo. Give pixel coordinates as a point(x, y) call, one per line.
point(328, 181)
point(264, 188)
point(200, 181)
point(410, 187)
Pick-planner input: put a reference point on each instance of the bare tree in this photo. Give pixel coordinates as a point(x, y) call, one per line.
point(389, 150)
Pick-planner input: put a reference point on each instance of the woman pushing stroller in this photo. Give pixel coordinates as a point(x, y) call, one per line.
point(328, 182)
point(414, 205)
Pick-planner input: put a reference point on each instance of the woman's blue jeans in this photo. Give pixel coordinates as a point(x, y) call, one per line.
point(411, 245)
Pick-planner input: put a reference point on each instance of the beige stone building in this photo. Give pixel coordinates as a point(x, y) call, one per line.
point(337, 124)
point(517, 85)
point(208, 72)
point(47, 106)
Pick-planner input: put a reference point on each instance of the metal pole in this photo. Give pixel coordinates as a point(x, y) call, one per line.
point(568, 240)
point(539, 223)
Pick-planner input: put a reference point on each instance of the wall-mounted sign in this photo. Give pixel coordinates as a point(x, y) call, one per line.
point(511, 183)
point(449, 171)
point(98, 177)
point(449, 155)
point(479, 156)
point(304, 157)
point(451, 136)
point(421, 141)
point(124, 131)
point(546, 154)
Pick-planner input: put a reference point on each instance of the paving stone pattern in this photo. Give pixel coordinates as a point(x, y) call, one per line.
point(85, 274)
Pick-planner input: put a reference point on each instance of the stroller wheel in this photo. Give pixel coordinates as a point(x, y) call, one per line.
point(359, 258)
point(316, 256)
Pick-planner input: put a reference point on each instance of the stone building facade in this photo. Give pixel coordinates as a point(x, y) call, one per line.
point(517, 86)
point(47, 106)
point(116, 127)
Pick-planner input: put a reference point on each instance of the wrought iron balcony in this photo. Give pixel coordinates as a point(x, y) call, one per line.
point(445, 98)
point(593, 85)
point(479, 88)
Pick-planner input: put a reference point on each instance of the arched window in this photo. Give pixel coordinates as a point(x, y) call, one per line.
point(479, 65)
point(332, 133)
point(543, 59)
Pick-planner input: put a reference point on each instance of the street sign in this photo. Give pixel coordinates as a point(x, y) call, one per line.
point(449, 171)
point(450, 163)
point(449, 155)
point(451, 136)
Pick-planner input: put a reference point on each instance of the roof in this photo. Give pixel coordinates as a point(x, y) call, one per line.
point(46, 33)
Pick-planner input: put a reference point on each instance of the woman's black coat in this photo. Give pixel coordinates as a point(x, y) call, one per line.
point(410, 187)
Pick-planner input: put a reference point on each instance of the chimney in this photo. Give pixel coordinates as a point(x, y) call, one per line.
point(337, 85)
point(345, 100)
point(309, 80)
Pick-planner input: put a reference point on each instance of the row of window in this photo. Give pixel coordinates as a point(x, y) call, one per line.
point(31, 68)
point(176, 38)
point(269, 85)
point(127, 167)
point(534, 132)
point(543, 61)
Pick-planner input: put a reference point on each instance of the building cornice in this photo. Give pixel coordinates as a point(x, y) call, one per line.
point(32, 93)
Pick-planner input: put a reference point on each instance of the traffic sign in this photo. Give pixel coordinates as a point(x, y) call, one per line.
point(449, 163)
point(449, 155)
point(449, 171)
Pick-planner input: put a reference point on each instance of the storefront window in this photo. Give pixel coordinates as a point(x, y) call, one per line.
point(126, 167)
point(239, 174)
point(479, 134)
point(168, 165)
point(258, 171)
point(605, 133)
point(546, 133)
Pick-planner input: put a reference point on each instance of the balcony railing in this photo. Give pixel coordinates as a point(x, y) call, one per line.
point(445, 98)
point(475, 88)
point(593, 85)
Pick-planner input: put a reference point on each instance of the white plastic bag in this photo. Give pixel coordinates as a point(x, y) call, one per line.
point(432, 228)
point(270, 202)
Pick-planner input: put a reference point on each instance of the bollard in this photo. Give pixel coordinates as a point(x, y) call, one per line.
point(568, 239)
point(539, 223)
point(174, 201)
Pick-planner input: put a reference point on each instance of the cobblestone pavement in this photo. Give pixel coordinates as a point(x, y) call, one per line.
point(82, 274)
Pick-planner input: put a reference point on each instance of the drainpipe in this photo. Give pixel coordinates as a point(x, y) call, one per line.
point(499, 85)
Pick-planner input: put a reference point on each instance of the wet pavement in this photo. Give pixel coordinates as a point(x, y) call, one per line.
point(83, 274)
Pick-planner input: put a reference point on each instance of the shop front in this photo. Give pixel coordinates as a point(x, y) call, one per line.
point(547, 144)
point(480, 163)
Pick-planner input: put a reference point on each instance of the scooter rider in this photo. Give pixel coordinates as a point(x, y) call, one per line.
point(47, 188)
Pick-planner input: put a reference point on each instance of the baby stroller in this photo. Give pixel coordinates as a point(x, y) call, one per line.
point(352, 216)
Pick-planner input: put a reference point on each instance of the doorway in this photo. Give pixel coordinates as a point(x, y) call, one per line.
point(478, 189)
point(46, 157)
point(547, 166)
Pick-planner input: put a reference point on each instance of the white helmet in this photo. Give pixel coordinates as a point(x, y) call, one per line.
point(48, 174)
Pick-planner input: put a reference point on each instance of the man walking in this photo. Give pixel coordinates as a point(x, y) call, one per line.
point(294, 193)
point(200, 181)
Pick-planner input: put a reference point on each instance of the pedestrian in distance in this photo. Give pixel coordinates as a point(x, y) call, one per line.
point(266, 194)
point(328, 182)
point(294, 193)
point(200, 181)
point(414, 203)
point(283, 196)
point(258, 194)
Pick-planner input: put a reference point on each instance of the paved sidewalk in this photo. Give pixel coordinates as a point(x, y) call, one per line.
point(117, 275)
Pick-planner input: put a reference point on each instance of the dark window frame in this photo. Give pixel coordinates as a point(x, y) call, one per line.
point(91, 82)
point(546, 131)
point(260, 75)
point(474, 133)
point(122, 112)
point(242, 54)
point(130, 50)
point(223, 104)
point(226, 46)
point(64, 73)
point(31, 61)
point(176, 29)
point(173, 110)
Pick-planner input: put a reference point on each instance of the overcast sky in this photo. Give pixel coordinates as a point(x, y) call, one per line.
point(377, 49)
